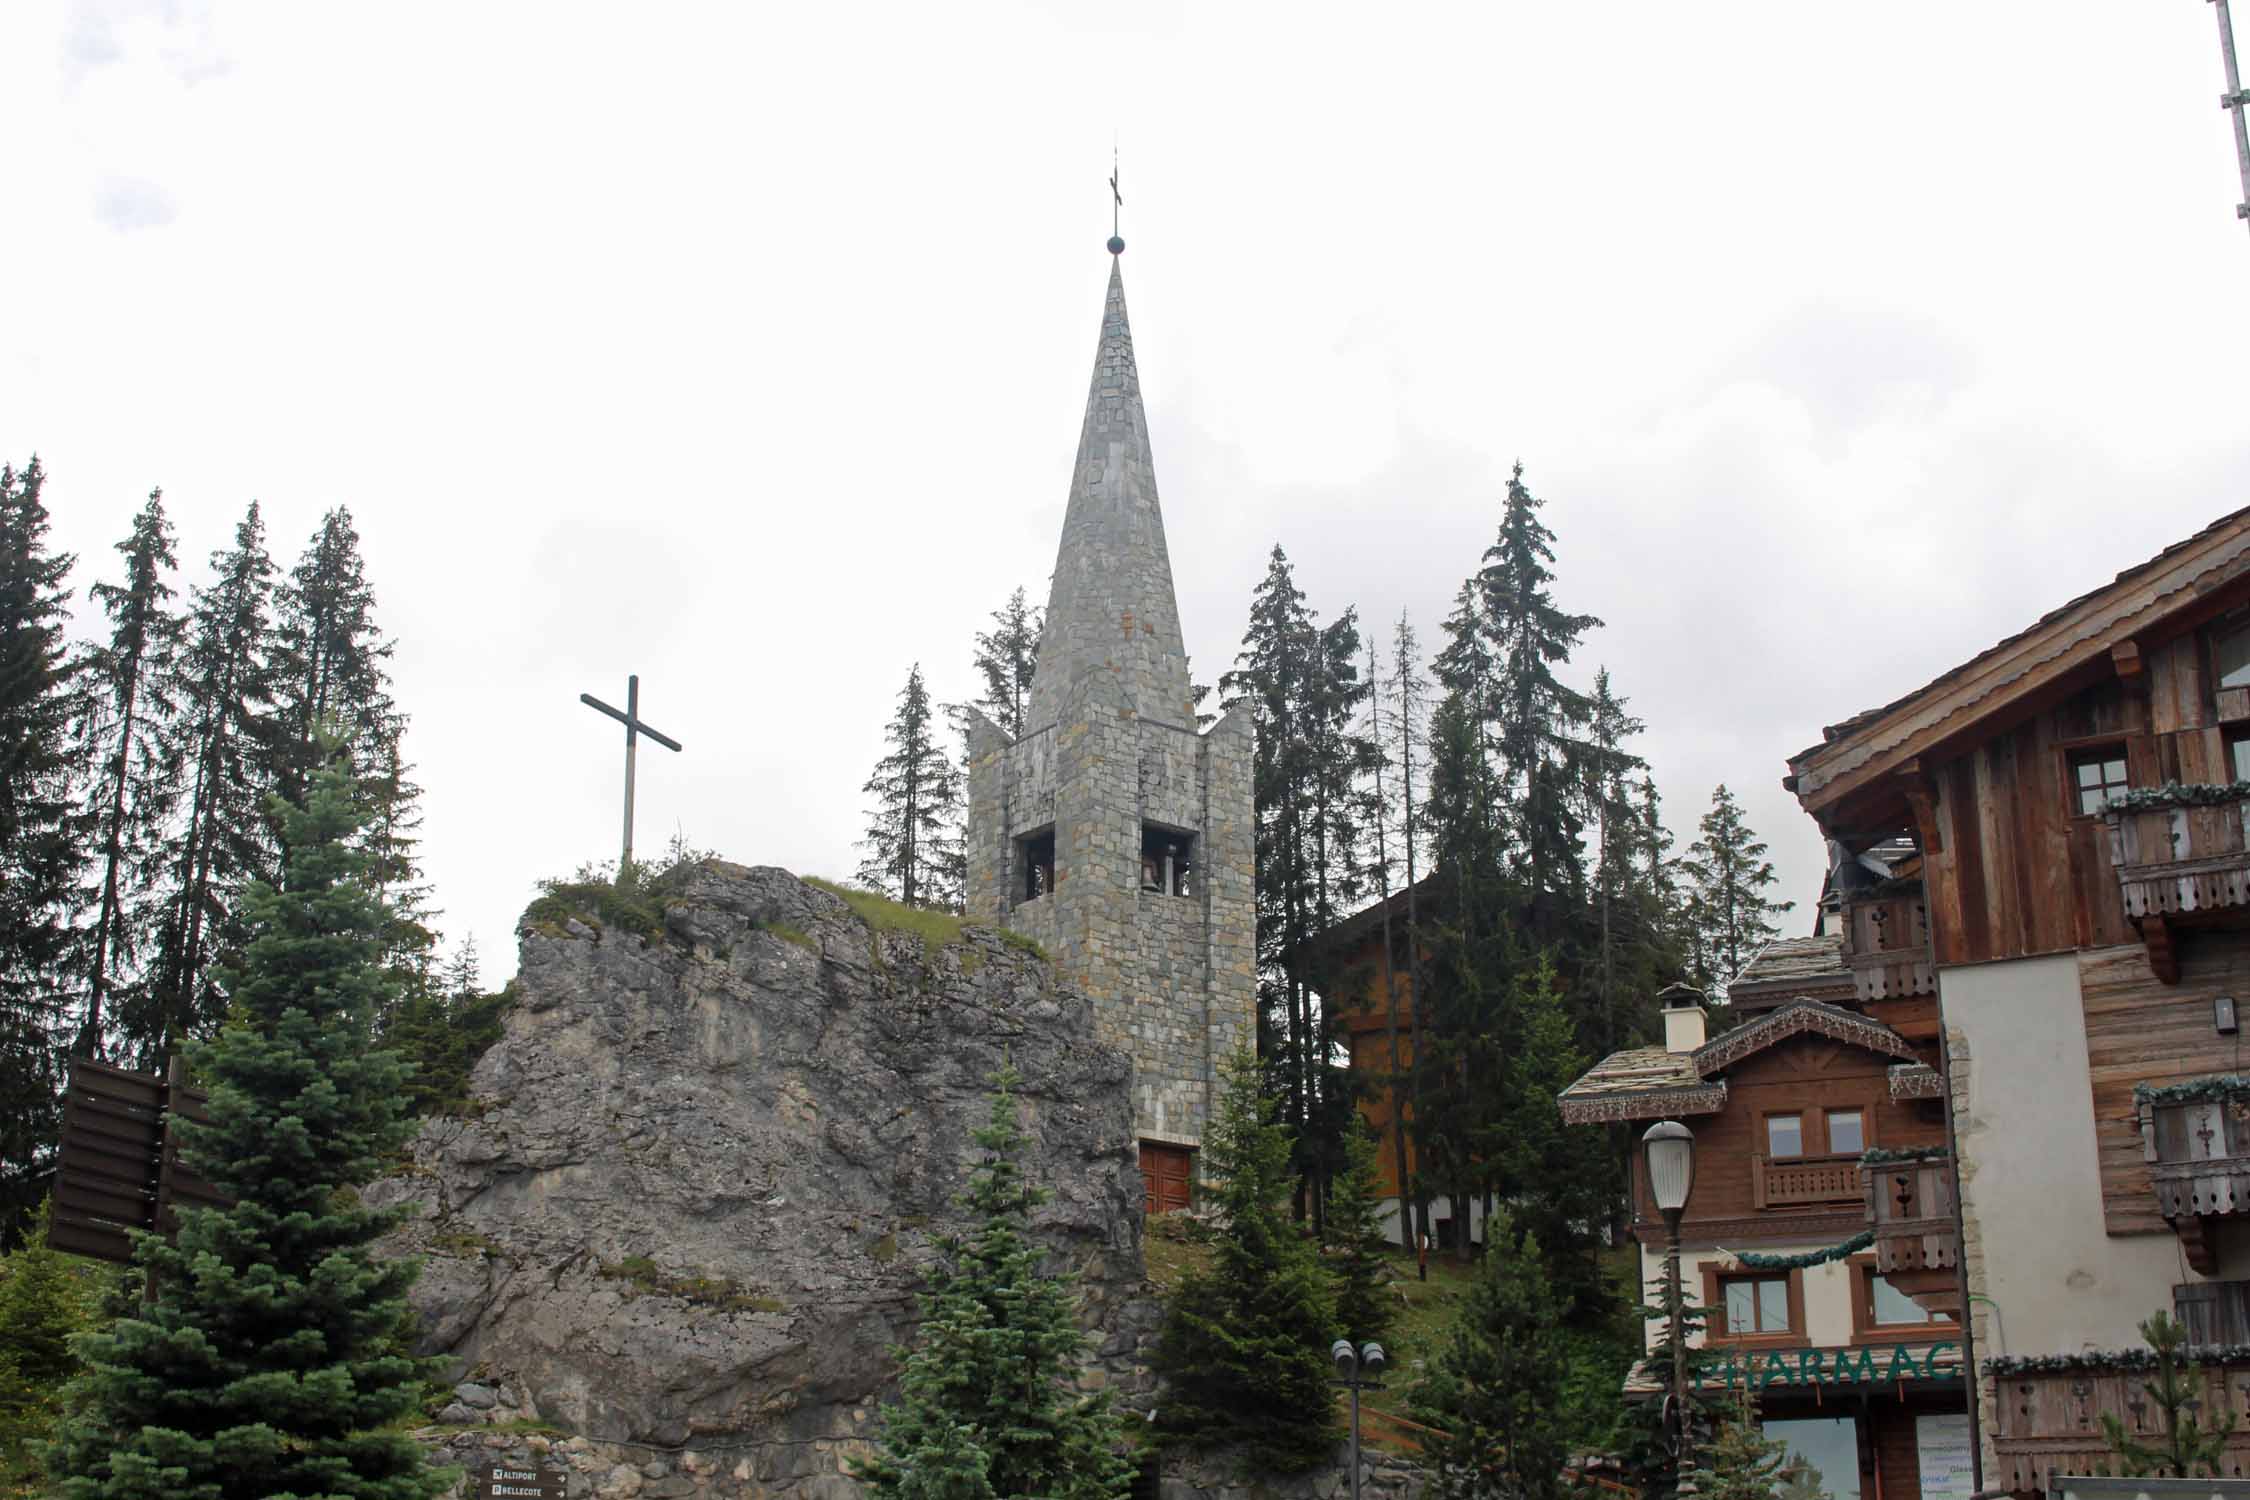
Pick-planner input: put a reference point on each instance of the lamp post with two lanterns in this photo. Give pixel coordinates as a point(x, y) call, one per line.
point(1356, 1369)
point(1669, 1149)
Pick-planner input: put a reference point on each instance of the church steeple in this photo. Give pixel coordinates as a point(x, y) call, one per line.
point(1111, 608)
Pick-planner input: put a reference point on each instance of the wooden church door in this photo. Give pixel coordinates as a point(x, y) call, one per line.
point(1166, 1175)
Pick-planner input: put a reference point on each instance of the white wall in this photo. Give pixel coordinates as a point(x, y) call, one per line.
point(2031, 1188)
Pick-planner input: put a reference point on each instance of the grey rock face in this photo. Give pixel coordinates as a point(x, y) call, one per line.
point(705, 1174)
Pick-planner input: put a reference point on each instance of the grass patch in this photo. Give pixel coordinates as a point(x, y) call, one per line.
point(789, 934)
point(722, 1292)
point(936, 929)
point(464, 1242)
point(885, 1249)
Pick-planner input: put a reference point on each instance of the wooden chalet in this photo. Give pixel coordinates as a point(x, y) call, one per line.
point(2077, 799)
point(1819, 1127)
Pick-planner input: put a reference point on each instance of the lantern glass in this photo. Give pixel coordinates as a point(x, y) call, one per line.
point(1670, 1150)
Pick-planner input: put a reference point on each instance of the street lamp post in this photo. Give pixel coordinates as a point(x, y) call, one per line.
point(1669, 1148)
point(1356, 1370)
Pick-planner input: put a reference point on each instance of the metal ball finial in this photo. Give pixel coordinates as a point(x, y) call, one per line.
point(1116, 245)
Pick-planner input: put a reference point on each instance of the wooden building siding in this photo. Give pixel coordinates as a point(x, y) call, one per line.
point(1805, 1075)
point(2011, 868)
point(2139, 1030)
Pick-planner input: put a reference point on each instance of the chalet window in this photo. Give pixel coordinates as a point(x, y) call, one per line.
point(1038, 866)
point(1756, 1304)
point(1888, 1307)
point(2213, 1312)
point(1167, 861)
point(2097, 775)
point(1785, 1135)
point(2230, 654)
point(2238, 755)
point(1846, 1132)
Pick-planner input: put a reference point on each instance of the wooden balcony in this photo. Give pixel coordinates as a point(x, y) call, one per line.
point(1887, 944)
point(2174, 861)
point(2049, 1421)
point(2198, 1155)
point(1806, 1181)
point(1910, 1210)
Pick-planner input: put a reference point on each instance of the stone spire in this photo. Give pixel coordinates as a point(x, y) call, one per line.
point(1111, 609)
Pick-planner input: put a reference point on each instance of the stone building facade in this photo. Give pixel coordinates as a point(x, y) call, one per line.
point(1113, 832)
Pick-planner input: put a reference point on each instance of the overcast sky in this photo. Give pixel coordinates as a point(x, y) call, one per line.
point(745, 346)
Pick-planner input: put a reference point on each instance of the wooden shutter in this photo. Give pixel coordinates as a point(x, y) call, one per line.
point(2213, 1312)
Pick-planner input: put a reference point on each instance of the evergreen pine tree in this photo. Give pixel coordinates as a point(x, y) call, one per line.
point(1729, 873)
point(913, 840)
point(988, 1399)
point(1408, 696)
point(1538, 721)
point(1608, 796)
point(1561, 1180)
point(42, 839)
point(221, 739)
point(1273, 675)
point(1245, 1343)
point(1358, 1247)
point(46, 1299)
point(126, 707)
point(1495, 1390)
point(1006, 657)
point(330, 676)
point(271, 1362)
point(2186, 1449)
point(1741, 1462)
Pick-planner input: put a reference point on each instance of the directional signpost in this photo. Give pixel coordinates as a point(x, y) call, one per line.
point(499, 1481)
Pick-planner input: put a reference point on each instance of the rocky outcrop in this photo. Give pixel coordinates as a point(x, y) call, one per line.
point(703, 1174)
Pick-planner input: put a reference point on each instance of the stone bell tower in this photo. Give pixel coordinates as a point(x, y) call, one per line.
point(1113, 832)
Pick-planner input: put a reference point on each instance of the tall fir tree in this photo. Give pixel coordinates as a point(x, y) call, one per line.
point(1621, 935)
point(913, 841)
point(1407, 693)
point(989, 1402)
point(126, 710)
point(221, 737)
point(1729, 874)
point(1006, 658)
point(1244, 1347)
point(330, 677)
point(42, 838)
point(1538, 720)
point(1561, 1180)
point(1494, 1392)
point(271, 1362)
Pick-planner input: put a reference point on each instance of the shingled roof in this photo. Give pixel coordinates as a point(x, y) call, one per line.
point(1647, 1083)
point(1789, 968)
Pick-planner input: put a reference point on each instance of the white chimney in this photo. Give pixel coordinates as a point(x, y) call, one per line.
point(1683, 1025)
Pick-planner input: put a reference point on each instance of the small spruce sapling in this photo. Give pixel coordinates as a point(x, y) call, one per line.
point(988, 1399)
point(2185, 1449)
point(1742, 1463)
point(1358, 1250)
point(1495, 1390)
point(1245, 1344)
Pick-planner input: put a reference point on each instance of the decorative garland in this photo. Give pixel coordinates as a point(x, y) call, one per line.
point(2218, 1089)
point(2111, 1361)
point(1848, 1248)
point(2176, 794)
point(1876, 1156)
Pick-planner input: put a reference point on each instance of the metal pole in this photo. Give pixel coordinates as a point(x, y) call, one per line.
point(1355, 1429)
point(1683, 1462)
point(2232, 102)
point(632, 717)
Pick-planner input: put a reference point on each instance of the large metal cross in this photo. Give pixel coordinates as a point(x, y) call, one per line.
point(634, 729)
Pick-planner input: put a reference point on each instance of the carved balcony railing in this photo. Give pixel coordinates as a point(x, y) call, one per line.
point(2198, 1155)
point(2049, 1421)
point(1887, 944)
point(2171, 861)
point(1806, 1181)
point(1910, 1209)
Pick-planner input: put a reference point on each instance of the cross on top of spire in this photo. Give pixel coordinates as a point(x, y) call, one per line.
point(1116, 205)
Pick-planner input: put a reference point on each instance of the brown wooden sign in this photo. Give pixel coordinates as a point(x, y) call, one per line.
point(119, 1169)
point(496, 1481)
